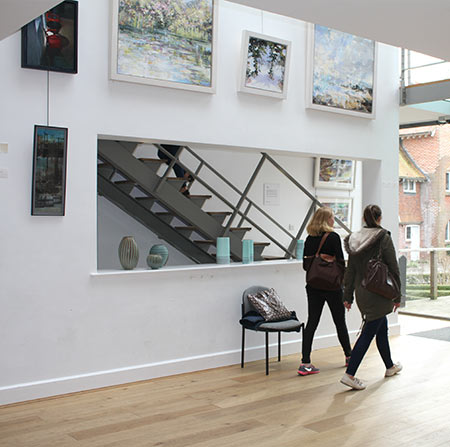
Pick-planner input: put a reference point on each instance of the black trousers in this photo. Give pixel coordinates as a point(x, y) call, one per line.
point(316, 301)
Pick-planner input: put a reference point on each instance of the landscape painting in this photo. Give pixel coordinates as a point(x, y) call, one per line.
point(334, 173)
point(265, 63)
point(342, 209)
point(49, 171)
point(341, 70)
point(169, 43)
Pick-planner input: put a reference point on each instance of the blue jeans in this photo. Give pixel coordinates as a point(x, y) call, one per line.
point(378, 328)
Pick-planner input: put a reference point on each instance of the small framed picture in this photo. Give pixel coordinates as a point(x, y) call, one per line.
point(265, 65)
point(50, 42)
point(341, 72)
point(49, 171)
point(334, 173)
point(342, 209)
point(168, 43)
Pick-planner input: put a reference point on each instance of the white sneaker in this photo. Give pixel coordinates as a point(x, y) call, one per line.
point(354, 383)
point(393, 370)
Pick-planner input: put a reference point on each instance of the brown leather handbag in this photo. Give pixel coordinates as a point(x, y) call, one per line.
point(378, 279)
point(324, 273)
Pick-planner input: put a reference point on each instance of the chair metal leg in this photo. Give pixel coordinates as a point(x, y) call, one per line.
point(279, 346)
point(243, 347)
point(267, 353)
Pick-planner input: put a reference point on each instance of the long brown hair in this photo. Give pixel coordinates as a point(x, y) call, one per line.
point(372, 214)
point(319, 222)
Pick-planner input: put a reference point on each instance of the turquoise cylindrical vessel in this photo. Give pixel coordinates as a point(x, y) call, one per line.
point(128, 253)
point(247, 251)
point(223, 250)
point(299, 249)
point(161, 250)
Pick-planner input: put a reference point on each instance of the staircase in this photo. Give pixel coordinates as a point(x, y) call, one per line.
point(156, 202)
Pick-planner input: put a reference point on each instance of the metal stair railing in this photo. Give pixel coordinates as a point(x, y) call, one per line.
point(243, 196)
point(290, 250)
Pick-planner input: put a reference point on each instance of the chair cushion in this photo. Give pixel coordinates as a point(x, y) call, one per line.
point(285, 326)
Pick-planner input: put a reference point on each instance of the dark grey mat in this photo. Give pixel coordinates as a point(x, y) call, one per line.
point(436, 334)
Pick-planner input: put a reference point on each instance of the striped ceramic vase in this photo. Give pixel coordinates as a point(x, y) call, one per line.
point(128, 253)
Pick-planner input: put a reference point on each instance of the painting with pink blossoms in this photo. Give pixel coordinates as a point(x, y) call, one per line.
point(164, 42)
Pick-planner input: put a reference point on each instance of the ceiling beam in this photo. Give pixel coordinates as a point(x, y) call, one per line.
point(419, 25)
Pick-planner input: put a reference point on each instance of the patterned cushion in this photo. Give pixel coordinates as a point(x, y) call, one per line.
point(269, 305)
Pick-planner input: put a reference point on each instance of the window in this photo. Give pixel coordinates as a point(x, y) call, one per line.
point(447, 181)
point(408, 231)
point(410, 186)
point(447, 232)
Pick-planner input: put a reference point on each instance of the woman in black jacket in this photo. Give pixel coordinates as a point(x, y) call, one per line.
point(371, 241)
point(322, 222)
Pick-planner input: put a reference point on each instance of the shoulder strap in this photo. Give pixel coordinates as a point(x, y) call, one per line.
point(324, 237)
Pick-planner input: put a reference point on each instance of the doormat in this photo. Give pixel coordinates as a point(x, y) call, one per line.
point(436, 334)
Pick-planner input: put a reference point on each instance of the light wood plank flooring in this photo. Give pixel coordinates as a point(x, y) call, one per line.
point(242, 407)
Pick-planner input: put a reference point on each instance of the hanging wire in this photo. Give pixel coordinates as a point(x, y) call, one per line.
point(48, 97)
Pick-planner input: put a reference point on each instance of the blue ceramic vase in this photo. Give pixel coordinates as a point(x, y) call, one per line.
point(154, 261)
point(161, 250)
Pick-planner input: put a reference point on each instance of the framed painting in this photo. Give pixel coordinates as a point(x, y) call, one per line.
point(341, 73)
point(265, 65)
point(50, 42)
point(168, 43)
point(49, 171)
point(334, 173)
point(342, 209)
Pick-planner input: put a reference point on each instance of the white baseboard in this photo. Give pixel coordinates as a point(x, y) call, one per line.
point(99, 379)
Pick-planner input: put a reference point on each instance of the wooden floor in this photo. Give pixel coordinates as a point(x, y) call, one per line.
point(242, 407)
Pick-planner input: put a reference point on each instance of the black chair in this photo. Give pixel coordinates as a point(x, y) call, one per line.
point(254, 322)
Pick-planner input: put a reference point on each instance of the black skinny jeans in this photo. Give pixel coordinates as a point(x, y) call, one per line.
point(375, 328)
point(316, 301)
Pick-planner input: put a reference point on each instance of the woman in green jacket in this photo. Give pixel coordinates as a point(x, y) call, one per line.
point(361, 247)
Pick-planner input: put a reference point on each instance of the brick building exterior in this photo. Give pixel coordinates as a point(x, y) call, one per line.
point(424, 187)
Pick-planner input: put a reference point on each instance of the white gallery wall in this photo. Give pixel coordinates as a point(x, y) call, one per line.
point(64, 329)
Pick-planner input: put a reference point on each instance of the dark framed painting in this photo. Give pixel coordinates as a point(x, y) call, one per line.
point(48, 194)
point(50, 41)
point(169, 43)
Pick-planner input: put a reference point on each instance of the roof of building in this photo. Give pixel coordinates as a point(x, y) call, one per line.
point(407, 167)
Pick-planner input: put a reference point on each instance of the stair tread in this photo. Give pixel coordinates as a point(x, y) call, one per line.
point(274, 258)
point(165, 213)
point(156, 160)
point(205, 241)
point(219, 212)
point(199, 196)
point(123, 182)
point(145, 198)
point(240, 228)
point(265, 244)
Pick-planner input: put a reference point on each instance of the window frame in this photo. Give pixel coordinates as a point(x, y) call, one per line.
point(406, 186)
point(447, 181)
point(447, 232)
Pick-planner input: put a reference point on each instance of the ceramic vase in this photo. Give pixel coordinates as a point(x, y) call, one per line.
point(223, 250)
point(128, 253)
point(154, 261)
point(161, 250)
point(299, 249)
point(247, 251)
